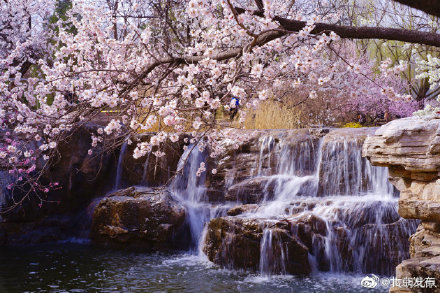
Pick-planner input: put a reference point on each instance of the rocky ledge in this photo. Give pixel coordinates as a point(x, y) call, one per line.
point(342, 237)
point(410, 148)
point(138, 218)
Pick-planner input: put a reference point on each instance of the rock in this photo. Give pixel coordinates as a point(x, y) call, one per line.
point(343, 171)
point(252, 191)
point(421, 267)
point(151, 170)
point(345, 235)
point(309, 226)
point(80, 176)
point(62, 214)
point(261, 156)
point(410, 147)
point(424, 243)
point(234, 242)
point(431, 226)
point(135, 218)
point(412, 143)
point(242, 209)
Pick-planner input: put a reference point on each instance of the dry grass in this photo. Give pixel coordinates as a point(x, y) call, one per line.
point(295, 110)
point(273, 115)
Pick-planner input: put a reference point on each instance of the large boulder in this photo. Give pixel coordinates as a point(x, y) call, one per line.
point(137, 218)
point(255, 244)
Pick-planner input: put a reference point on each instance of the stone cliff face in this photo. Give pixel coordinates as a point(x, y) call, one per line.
point(410, 148)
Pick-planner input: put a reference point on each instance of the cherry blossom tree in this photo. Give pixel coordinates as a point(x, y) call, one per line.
point(165, 65)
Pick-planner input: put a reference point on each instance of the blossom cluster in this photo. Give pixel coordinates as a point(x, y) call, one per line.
point(169, 74)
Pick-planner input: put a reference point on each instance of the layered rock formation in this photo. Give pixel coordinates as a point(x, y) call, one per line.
point(284, 202)
point(410, 148)
point(306, 191)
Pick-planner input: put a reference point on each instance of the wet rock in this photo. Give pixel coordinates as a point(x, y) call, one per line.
point(242, 209)
point(343, 171)
point(384, 242)
point(237, 243)
point(352, 235)
point(252, 191)
point(263, 154)
point(151, 170)
point(135, 218)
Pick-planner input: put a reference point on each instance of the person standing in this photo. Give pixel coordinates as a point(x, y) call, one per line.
point(235, 103)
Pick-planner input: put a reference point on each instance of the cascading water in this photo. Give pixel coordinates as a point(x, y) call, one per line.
point(119, 167)
point(145, 171)
point(326, 183)
point(189, 189)
point(5, 180)
point(272, 254)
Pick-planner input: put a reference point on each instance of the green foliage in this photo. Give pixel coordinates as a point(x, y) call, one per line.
point(61, 9)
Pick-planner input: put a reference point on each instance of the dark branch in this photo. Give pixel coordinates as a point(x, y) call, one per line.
point(350, 32)
point(429, 6)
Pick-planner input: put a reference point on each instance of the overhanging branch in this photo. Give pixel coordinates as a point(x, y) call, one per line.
point(350, 32)
point(429, 6)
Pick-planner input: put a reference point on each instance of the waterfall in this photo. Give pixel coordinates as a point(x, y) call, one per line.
point(327, 183)
point(119, 167)
point(266, 143)
point(145, 171)
point(272, 254)
point(5, 180)
point(189, 189)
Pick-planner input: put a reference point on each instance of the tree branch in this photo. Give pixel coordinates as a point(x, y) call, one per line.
point(350, 32)
point(429, 6)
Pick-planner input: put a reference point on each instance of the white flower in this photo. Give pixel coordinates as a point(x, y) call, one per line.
point(12, 149)
point(262, 95)
point(296, 83)
point(44, 147)
point(257, 70)
point(197, 124)
point(174, 137)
